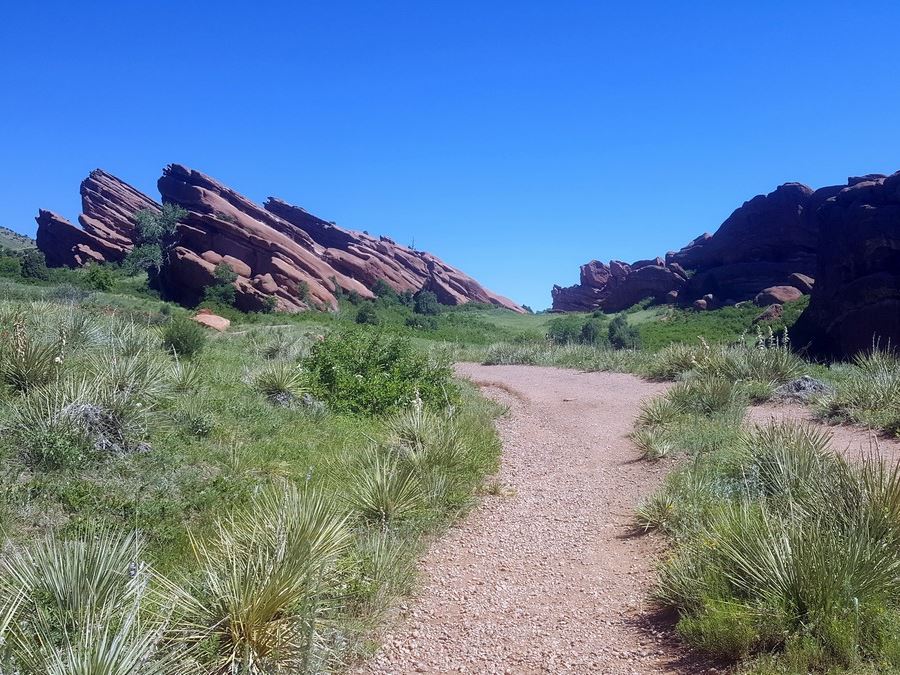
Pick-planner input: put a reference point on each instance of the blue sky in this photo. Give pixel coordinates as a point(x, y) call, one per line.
point(516, 140)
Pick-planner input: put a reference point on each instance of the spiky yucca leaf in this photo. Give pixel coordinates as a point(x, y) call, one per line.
point(382, 490)
point(263, 576)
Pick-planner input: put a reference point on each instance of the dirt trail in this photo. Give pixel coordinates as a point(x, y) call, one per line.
point(848, 440)
point(546, 578)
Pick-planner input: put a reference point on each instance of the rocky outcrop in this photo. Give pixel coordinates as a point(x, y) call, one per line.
point(283, 256)
point(761, 245)
point(109, 206)
point(777, 295)
point(368, 259)
point(856, 297)
point(617, 286)
point(107, 223)
point(65, 245)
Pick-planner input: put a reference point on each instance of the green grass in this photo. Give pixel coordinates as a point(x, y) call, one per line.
point(123, 436)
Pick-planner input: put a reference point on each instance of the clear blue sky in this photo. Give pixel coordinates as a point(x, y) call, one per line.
point(516, 140)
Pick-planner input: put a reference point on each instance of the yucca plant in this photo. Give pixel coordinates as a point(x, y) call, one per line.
point(705, 396)
point(658, 411)
point(382, 490)
point(85, 606)
point(653, 442)
point(261, 598)
point(871, 393)
point(281, 382)
point(185, 376)
point(674, 360)
point(26, 363)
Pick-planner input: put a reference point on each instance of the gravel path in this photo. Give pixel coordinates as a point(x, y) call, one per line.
point(849, 440)
point(547, 577)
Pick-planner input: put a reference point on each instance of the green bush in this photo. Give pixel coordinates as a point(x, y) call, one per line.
point(34, 265)
point(366, 314)
point(622, 335)
point(372, 372)
point(100, 278)
point(184, 336)
point(566, 329)
point(426, 302)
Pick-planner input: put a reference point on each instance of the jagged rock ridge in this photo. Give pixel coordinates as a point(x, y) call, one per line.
point(281, 253)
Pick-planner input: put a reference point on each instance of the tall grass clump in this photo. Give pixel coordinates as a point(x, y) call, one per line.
point(778, 544)
point(260, 601)
point(184, 337)
point(870, 394)
point(86, 605)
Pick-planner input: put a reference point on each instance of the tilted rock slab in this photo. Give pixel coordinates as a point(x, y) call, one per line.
point(281, 253)
point(108, 221)
point(368, 259)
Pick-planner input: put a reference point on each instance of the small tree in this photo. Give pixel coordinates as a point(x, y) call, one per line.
point(34, 265)
point(154, 236)
point(367, 314)
point(622, 335)
point(100, 277)
point(382, 289)
point(426, 302)
point(222, 290)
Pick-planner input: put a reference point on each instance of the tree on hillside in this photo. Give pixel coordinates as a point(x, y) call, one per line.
point(426, 302)
point(154, 236)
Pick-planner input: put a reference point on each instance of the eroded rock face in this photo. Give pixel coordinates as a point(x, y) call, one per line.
point(64, 244)
point(282, 255)
point(617, 286)
point(856, 297)
point(108, 220)
point(761, 245)
point(368, 259)
point(109, 206)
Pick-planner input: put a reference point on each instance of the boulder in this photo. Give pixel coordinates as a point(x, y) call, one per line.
point(856, 298)
point(700, 305)
point(777, 295)
point(210, 320)
point(802, 282)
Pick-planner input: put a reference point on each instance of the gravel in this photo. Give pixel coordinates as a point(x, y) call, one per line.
point(548, 576)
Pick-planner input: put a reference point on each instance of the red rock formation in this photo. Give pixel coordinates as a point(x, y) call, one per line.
point(271, 257)
point(856, 298)
point(760, 245)
point(369, 259)
point(296, 262)
point(777, 295)
point(109, 206)
point(617, 286)
point(107, 222)
point(65, 245)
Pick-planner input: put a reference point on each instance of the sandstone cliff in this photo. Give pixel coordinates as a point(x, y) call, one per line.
point(281, 253)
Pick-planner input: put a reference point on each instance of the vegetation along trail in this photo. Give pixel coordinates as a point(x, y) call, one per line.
point(544, 575)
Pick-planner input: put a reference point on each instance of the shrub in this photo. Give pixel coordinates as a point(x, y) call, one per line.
point(383, 289)
point(622, 335)
point(184, 337)
point(382, 491)
point(426, 302)
point(870, 394)
point(366, 314)
point(371, 372)
point(419, 322)
point(34, 265)
point(280, 382)
point(564, 330)
point(100, 277)
point(705, 396)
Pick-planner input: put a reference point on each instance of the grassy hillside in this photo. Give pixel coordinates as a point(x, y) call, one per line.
point(14, 241)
